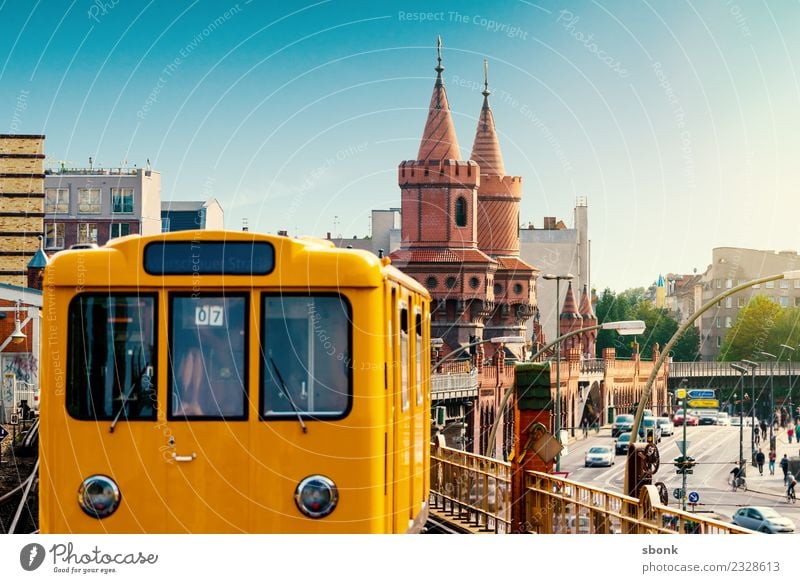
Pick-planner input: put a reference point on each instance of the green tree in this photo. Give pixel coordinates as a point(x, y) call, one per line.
point(755, 329)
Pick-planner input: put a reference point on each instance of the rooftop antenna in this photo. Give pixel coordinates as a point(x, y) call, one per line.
point(90, 162)
point(244, 225)
point(148, 163)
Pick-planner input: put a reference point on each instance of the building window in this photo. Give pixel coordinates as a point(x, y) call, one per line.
point(120, 229)
point(728, 302)
point(461, 212)
point(797, 302)
point(474, 282)
point(451, 282)
point(517, 288)
point(56, 200)
point(719, 341)
point(87, 232)
point(431, 283)
point(728, 321)
point(784, 284)
point(88, 200)
point(122, 200)
point(728, 283)
point(797, 284)
point(719, 322)
point(54, 236)
point(718, 283)
point(770, 285)
point(165, 225)
point(783, 301)
point(741, 302)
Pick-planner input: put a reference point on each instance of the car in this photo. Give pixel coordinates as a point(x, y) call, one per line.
point(762, 519)
point(649, 424)
point(599, 455)
point(677, 419)
point(622, 443)
point(647, 413)
point(622, 423)
point(723, 418)
point(735, 421)
point(707, 418)
point(667, 427)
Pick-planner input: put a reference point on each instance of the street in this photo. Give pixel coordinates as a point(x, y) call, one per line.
point(715, 448)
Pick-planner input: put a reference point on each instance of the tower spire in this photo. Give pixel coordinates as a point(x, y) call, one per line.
point(439, 136)
point(486, 148)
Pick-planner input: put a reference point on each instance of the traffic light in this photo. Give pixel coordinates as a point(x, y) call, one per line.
point(684, 465)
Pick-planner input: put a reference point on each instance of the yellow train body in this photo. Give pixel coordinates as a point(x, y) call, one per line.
point(112, 327)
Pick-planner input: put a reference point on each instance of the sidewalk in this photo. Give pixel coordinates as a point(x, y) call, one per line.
point(767, 483)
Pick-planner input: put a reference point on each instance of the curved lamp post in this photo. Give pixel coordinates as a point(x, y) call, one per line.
point(753, 366)
point(675, 337)
point(624, 327)
point(558, 279)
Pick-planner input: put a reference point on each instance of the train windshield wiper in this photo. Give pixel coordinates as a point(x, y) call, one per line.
point(143, 381)
point(285, 392)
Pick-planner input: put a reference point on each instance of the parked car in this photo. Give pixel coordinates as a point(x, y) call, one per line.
point(647, 413)
point(599, 455)
point(667, 427)
point(735, 421)
point(762, 519)
point(723, 418)
point(622, 423)
point(622, 443)
point(649, 424)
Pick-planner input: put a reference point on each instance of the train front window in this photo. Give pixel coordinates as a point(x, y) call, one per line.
point(111, 357)
point(207, 356)
point(306, 356)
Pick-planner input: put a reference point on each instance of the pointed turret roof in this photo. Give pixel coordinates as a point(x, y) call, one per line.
point(586, 304)
point(570, 307)
point(39, 260)
point(660, 281)
point(439, 137)
point(486, 148)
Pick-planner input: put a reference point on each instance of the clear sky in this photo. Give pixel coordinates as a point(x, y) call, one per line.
point(678, 121)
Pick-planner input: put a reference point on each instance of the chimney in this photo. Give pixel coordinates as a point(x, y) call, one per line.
point(550, 223)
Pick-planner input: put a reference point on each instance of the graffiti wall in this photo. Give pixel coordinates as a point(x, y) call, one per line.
point(22, 366)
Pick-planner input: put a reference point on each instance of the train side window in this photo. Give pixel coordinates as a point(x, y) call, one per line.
point(306, 366)
point(404, 404)
point(111, 357)
point(418, 329)
point(208, 356)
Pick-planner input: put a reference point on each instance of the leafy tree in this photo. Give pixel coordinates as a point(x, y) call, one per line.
point(755, 329)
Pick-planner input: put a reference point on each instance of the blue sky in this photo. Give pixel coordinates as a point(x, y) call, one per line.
point(678, 121)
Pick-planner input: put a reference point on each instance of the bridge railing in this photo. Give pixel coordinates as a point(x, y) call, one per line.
point(460, 382)
point(475, 490)
point(707, 368)
point(471, 489)
point(556, 505)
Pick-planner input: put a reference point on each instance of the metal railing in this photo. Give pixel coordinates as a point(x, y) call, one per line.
point(476, 490)
point(444, 385)
point(723, 369)
point(593, 365)
point(471, 489)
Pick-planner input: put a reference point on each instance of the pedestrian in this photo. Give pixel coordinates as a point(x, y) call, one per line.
point(760, 462)
point(785, 466)
point(764, 427)
point(756, 435)
point(585, 426)
point(772, 457)
point(797, 430)
point(790, 433)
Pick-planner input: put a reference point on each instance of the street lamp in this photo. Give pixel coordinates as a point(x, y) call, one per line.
point(753, 366)
point(771, 394)
point(685, 451)
point(789, 364)
point(744, 371)
point(558, 278)
point(624, 327)
point(438, 343)
point(18, 336)
point(675, 337)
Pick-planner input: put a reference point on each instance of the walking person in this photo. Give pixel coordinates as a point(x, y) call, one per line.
point(585, 426)
point(760, 462)
point(764, 427)
point(790, 433)
point(785, 467)
point(772, 457)
point(756, 436)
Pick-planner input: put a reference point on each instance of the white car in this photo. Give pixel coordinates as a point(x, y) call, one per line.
point(667, 427)
point(723, 418)
point(599, 455)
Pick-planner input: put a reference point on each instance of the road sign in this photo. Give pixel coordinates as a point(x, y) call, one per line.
point(677, 493)
point(704, 403)
point(701, 394)
point(694, 497)
point(3, 433)
point(682, 445)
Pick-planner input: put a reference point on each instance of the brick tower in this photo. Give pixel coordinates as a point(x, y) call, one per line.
point(569, 321)
point(21, 203)
point(499, 198)
point(588, 339)
point(439, 248)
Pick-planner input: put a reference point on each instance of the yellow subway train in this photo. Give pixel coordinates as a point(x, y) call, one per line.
point(233, 382)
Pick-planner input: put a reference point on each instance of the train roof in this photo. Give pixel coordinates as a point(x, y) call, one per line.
point(120, 262)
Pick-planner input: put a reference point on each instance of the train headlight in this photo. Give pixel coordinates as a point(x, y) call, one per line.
point(99, 496)
point(316, 496)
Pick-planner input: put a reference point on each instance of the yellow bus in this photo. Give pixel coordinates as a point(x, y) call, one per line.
point(228, 382)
